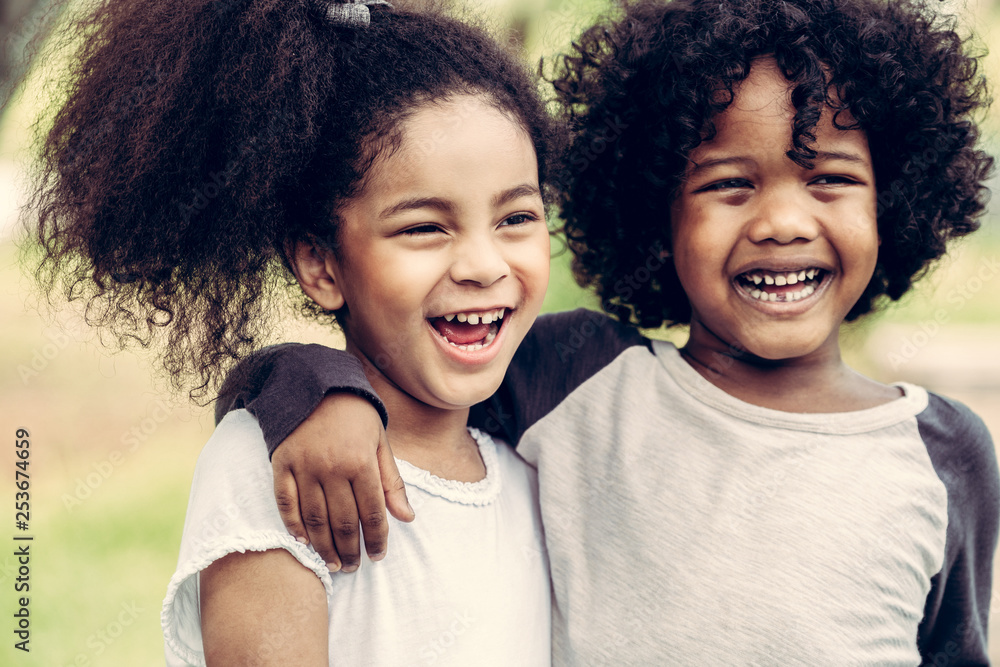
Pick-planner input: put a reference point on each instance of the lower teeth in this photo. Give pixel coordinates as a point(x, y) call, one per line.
point(788, 297)
point(476, 346)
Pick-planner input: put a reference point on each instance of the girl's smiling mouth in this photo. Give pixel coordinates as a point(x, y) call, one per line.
point(782, 286)
point(471, 330)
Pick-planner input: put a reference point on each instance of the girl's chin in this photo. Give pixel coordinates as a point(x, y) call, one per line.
point(457, 397)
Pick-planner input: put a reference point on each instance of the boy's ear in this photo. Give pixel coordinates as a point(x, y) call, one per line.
point(315, 268)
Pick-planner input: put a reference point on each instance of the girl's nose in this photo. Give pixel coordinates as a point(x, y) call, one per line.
point(479, 261)
point(784, 217)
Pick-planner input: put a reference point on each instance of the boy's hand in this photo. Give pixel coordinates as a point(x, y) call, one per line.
point(335, 471)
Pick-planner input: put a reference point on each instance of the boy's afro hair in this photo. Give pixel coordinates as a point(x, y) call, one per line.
point(199, 140)
point(640, 93)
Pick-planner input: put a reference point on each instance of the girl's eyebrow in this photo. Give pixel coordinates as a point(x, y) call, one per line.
point(445, 206)
point(437, 203)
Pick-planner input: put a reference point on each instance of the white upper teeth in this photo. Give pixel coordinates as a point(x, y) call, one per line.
point(781, 277)
point(484, 316)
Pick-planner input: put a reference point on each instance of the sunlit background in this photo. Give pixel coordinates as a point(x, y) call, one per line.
point(112, 449)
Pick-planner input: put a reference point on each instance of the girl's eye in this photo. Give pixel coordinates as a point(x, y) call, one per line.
point(728, 184)
point(518, 219)
point(421, 229)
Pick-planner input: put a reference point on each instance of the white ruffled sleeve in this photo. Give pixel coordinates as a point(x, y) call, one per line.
point(231, 509)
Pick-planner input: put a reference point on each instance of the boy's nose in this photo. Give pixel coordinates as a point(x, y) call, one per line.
point(784, 218)
point(479, 261)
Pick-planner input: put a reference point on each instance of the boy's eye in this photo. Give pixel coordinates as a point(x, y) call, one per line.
point(832, 180)
point(728, 184)
point(518, 219)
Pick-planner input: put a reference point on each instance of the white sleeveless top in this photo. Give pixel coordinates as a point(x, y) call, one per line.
point(466, 583)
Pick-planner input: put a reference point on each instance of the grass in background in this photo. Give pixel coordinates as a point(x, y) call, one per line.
point(111, 463)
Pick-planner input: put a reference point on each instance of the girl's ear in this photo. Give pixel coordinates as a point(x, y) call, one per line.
point(316, 269)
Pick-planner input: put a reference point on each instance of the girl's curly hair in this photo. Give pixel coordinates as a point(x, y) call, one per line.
point(640, 93)
point(201, 139)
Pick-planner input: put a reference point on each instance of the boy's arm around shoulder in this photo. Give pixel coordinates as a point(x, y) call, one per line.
point(955, 625)
point(560, 353)
point(283, 384)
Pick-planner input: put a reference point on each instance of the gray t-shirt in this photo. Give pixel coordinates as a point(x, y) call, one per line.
point(686, 527)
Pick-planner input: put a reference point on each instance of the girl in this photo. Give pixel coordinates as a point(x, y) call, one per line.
point(781, 167)
point(392, 163)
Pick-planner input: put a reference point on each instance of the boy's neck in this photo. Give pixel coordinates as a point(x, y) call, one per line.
point(820, 382)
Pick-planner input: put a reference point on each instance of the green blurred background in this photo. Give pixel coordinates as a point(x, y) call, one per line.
point(113, 449)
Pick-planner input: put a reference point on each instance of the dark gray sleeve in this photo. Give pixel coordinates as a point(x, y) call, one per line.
point(560, 352)
point(955, 625)
point(282, 385)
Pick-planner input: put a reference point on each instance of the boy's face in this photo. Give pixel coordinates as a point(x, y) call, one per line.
point(449, 232)
point(773, 256)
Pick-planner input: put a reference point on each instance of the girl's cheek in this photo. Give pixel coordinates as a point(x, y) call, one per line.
point(532, 258)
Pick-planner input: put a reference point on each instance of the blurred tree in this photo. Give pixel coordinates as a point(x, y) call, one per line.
point(23, 25)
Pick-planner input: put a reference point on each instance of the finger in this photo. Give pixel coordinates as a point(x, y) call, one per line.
point(393, 488)
point(287, 497)
point(371, 510)
point(343, 524)
point(313, 503)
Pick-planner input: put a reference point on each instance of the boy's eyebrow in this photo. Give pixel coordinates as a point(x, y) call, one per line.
point(418, 202)
point(839, 155)
point(516, 192)
point(716, 162)
point(821, 156)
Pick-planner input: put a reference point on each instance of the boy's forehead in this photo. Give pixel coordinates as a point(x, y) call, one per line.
point(765, 97)
point(758, 127)
point(765, 91)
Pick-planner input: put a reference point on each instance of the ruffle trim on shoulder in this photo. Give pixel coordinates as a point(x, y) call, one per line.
point(211, 552)
point(483, 492)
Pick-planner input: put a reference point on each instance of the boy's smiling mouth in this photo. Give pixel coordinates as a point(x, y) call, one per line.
point(470, 330)
point(781, 286)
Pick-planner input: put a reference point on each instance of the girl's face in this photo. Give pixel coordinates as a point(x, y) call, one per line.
point(773, 256)
point(444, 257)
